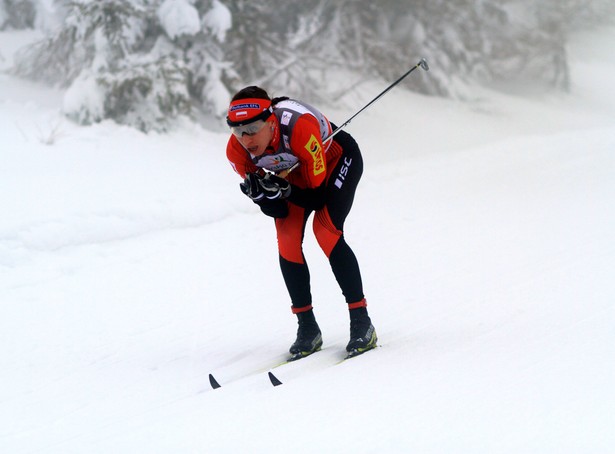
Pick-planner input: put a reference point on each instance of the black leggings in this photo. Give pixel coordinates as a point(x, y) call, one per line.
point(340, 190)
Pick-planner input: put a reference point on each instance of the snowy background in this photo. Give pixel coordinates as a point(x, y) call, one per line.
point(149, 63)
point(131, 267)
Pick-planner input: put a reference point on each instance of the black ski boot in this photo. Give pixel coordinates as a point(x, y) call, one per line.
point(309, 337)
point(362, 333)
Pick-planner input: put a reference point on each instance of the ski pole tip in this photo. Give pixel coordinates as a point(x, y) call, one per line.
point(423, 64)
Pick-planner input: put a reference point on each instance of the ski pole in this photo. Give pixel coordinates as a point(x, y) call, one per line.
point(421, 64)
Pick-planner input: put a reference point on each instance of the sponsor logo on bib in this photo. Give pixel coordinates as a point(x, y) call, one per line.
point(315, 150)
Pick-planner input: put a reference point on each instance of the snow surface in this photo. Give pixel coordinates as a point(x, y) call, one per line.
point(131, 267)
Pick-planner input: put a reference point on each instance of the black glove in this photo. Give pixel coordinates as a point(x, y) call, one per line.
point(271, 204)
point(275, 187)
point(269, 186)
point(251, 187)
point(277, 208)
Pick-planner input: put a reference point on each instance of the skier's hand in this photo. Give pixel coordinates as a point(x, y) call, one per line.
point(252, 188)
point(276, 208)
point(275, 187)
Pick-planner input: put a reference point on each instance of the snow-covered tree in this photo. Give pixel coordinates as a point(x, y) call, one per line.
point(146, 62)
point(100, 55)
point(210, 69)
point(139, 62)
point(254, 45)
point(17, 14)
point(465, 40)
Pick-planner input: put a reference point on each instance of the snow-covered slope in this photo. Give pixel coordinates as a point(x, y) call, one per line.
point(131, 267)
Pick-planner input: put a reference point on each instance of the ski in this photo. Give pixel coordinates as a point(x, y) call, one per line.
point(215, 385)
point(213, 382)
point(275, 381)
point(357, 352)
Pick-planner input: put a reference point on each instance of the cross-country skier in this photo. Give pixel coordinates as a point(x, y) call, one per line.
point(306, 174)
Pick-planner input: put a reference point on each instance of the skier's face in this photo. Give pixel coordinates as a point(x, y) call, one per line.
point(257, 142)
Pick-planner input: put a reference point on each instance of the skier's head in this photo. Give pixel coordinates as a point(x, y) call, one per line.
point(248, 106)
point(250, 117)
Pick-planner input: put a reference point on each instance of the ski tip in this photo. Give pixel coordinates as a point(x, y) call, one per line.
point(212, 381)
point(274, 380)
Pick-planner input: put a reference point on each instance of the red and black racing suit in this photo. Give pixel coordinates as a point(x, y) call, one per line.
point(324, 183)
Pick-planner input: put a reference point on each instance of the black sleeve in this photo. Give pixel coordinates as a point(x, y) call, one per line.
point(277, 208)
point(312, 199)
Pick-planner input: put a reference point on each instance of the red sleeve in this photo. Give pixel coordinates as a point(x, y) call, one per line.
point(306, 144)
point(238, 157)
